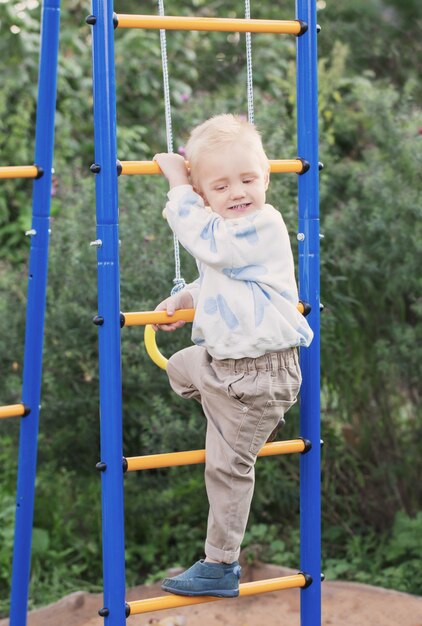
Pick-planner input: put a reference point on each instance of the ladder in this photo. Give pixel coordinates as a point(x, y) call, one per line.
point(109, 320)
point(28, 410)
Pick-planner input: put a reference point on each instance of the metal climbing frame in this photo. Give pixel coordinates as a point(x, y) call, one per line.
point(28, 410)
point(308, 238)
point(109, 320)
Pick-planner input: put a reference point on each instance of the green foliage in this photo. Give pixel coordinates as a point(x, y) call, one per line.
point(378, 33)
point(273, 543)
point(7, 512)
point(371, 221)
point(19, 45)
point(65, 555)
point(391, 560)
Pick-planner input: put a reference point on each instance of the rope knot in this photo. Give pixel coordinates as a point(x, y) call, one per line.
point(179, 284)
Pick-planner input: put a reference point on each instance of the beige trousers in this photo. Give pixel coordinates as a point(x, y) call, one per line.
point(243, 401)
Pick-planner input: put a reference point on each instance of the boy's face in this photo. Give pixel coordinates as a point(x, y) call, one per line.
point(233, 181)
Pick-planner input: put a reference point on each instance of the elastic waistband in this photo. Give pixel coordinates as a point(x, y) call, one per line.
point(271, 361)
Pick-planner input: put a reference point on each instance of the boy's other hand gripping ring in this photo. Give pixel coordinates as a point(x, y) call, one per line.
point(146, 318)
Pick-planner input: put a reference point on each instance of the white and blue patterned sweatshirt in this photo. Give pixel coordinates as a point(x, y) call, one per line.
point(246, 295)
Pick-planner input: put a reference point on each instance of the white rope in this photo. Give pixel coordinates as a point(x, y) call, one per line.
point(249, 66)
point(178, 281)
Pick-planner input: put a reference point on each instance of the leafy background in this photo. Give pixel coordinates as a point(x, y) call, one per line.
point(370, 143)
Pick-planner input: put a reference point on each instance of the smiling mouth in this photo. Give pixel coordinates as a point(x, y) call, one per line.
point(240, 207)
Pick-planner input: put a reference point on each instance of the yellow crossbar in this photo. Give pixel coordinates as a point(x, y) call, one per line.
point(285, 166)
point(142, 318)
point(194, 457)
point(246, 589)
point(19, 171)
point(157, 317)
point(168, 22)
point(151, 167)
point(13, 410)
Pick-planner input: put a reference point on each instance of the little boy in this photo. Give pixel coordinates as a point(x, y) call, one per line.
point(244, 367)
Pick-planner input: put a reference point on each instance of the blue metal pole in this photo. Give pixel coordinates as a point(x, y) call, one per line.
point(310, 487)
point(37, 285)
point(109, 310)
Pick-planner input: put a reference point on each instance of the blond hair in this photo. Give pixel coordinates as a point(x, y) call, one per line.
point(220, 131)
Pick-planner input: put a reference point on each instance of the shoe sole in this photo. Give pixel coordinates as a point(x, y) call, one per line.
point(214, 593)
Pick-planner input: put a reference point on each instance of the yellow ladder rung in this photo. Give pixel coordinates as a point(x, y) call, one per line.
point(20, 171)
point(246, 589)
point(169, 22)
point(13, 410)
point(286, 166)
point(280, 166)
point(142, 318)
point(194, 457)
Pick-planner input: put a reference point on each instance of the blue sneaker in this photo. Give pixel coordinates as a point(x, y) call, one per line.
point(206, 579)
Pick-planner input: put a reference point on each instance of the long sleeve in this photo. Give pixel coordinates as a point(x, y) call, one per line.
point(201, 232)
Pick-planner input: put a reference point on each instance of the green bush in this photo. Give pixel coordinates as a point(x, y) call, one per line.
point(391, 560)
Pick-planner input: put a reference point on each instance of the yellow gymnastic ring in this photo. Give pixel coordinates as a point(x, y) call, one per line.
point(152, 349)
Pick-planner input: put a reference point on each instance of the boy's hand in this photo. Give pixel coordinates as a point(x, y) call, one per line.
point(173, 167)
point(181, 300)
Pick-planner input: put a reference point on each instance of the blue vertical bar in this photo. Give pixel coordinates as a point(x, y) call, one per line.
point(310, 465)
point(37, 285)
point(109, 310)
